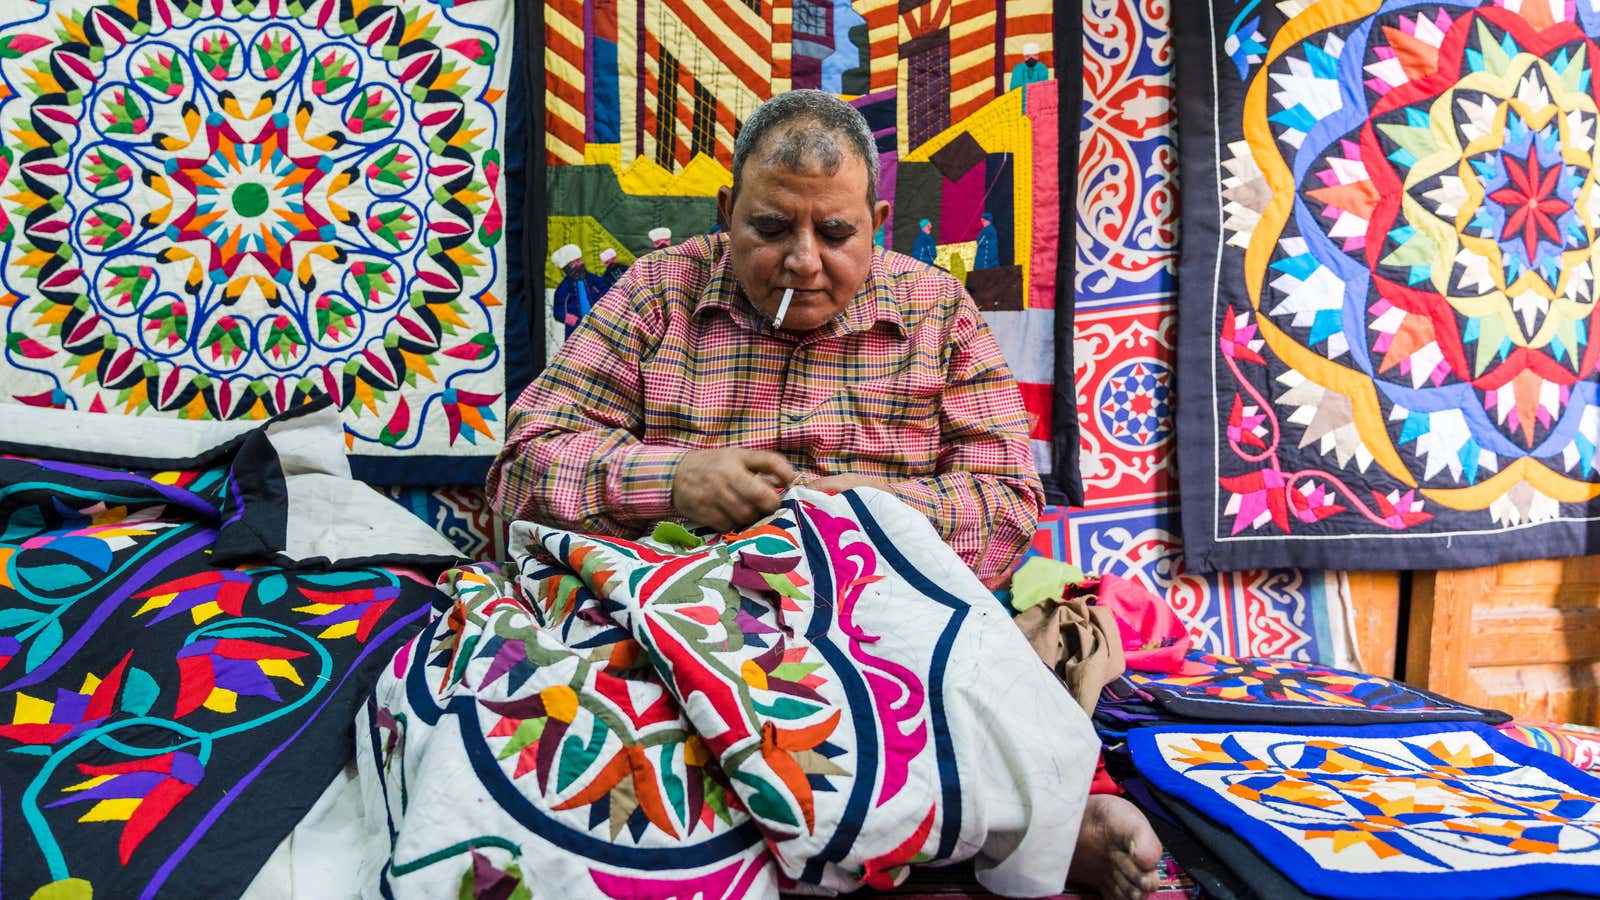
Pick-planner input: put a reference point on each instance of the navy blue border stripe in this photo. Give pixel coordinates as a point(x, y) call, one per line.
point(949, 776)
point(867, 738)
point(536, 820)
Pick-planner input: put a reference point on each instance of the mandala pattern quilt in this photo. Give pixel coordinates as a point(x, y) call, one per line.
point(810, 701)
point(165, 720)
point(222, 209)
point(1388, 282)
point(1388, 811)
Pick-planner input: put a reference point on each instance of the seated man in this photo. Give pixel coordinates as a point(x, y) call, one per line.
point(788, 350)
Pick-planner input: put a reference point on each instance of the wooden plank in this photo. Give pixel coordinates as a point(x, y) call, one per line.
point(1375, 598)
point(1529, 635)
point(1523, 637)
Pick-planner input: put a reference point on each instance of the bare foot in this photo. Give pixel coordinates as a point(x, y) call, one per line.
point(1117, 852)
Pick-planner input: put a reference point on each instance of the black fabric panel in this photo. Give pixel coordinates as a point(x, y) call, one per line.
point(916, 197)
point(529, 75)
point(1065, 484)
point(524, 186)
point(256, 515)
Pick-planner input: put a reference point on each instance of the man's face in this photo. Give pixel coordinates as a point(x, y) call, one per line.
point(806, 230)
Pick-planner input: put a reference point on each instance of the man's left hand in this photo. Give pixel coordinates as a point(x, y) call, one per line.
point(833, 484)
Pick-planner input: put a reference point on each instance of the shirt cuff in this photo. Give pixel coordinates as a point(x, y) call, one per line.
point(639, 482)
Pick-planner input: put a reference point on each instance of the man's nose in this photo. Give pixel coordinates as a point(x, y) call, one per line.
point(802, 258)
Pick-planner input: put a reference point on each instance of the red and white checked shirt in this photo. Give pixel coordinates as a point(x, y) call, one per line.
point(907, 385)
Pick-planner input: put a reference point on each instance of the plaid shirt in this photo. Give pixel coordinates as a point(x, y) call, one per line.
point(906, 385)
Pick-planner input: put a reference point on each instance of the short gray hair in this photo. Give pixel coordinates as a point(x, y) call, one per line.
point(834, 119)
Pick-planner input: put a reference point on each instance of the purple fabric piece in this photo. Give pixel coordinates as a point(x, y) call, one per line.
point(242, 676)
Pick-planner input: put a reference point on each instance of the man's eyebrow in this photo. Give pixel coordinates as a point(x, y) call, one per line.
point(838, 225)
point(769, 218)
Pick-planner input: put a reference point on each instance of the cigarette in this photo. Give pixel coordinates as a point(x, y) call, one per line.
point(783, 308)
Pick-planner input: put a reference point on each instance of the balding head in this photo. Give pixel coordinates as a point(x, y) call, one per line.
point(807, 129)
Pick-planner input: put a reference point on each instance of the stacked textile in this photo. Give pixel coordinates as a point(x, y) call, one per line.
point(1281, 779)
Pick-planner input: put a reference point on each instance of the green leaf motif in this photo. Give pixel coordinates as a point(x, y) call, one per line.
point(767, 802)
point(271, 588)
point(786, 708)
point(139, 692)
point(11, 618)
point(341, 579)
point(675, 535)
point(44, 645)
point(55, 577)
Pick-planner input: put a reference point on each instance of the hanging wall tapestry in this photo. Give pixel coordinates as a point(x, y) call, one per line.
point(1388, 282)
point(223, 209)
point(644, 98)
point(1124, 325)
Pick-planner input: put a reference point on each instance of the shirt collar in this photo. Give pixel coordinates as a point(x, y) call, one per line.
point(874, 303)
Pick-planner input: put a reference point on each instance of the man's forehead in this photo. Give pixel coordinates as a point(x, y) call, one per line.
point(773, 189)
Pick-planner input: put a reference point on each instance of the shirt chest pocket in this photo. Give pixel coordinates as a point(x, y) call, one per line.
point(889, 426)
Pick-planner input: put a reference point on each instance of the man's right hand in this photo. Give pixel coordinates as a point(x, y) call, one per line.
point(729, 488)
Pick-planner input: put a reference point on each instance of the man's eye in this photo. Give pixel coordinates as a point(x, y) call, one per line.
point(768, 232)
point(836, 238)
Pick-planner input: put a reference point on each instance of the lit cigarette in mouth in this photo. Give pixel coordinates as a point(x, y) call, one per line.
point(783, 308)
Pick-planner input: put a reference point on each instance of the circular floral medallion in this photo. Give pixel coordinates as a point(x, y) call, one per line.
point(1417, 199)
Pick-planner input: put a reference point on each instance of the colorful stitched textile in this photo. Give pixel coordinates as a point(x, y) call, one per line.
point(1125, 331)
point(462, 515)
point(1576, 744)
point(643, 100)
point(1388, 811)
point(223, 209)
point(1224, 689)
point(166, 720)
point(908, 386)
point(1387, 285)
point(811, 699)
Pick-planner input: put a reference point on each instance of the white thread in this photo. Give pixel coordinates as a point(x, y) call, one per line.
point(783, 308)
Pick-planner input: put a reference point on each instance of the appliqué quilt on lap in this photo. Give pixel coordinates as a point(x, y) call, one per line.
point(1221, 688)
point(1388, 286)
point(164, 722)
point(220, 209)
point(798, 702)
point(1388, 811)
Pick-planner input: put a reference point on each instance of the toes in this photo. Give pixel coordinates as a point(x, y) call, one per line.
point(1127, 886)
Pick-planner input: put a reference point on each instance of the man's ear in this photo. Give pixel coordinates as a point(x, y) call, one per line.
point(725, 207)
point(880, 214)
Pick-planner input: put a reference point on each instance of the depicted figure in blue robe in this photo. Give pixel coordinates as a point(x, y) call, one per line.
point(613, 268)
point(988, 256)
point(1029, 71)
point(925, 248)
point(578, 291)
